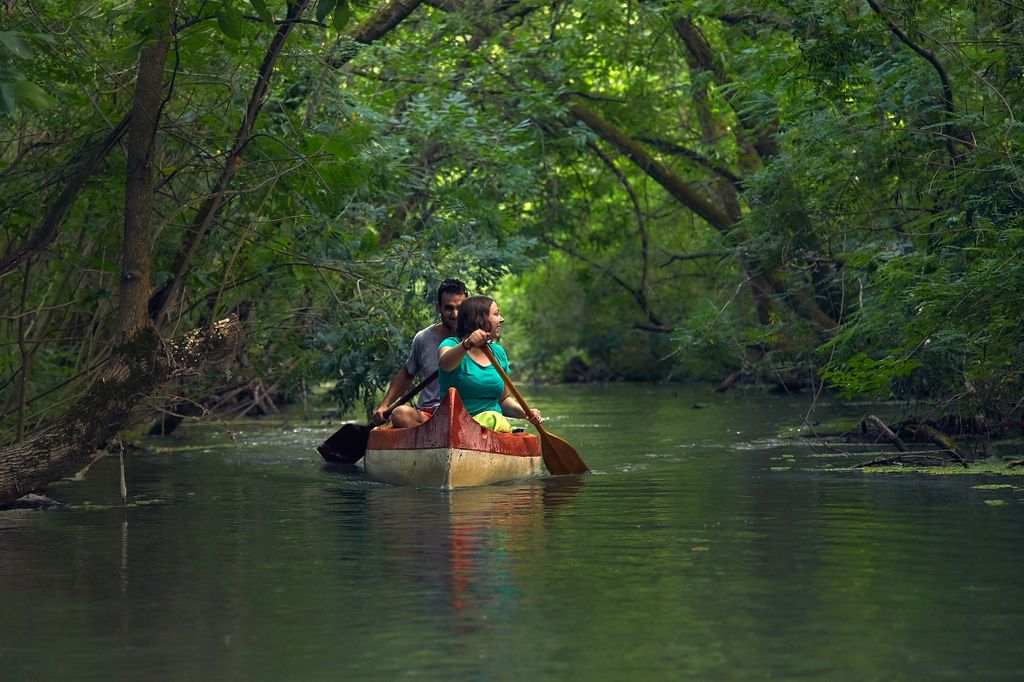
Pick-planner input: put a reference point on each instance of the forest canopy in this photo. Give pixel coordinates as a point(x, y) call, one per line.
point(790, 193)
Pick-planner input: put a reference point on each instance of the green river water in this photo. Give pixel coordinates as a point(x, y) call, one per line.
point(702, 547)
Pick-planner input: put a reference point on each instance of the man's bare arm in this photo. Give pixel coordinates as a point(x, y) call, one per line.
point(400, 384)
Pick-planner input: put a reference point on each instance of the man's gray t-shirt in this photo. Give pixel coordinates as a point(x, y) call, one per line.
point(423, 362)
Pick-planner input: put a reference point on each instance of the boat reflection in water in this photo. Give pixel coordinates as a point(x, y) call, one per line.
point(468, 553)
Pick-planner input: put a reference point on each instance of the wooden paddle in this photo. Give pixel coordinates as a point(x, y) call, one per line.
point(348, 444)
point(559, 456)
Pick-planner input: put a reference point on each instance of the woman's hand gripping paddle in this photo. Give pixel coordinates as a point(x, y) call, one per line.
point(348, 444)
point(559, 456)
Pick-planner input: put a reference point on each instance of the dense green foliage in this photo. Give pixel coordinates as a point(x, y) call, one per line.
point(677, 189)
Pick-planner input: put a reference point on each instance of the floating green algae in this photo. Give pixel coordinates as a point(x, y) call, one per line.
point(92, 506)
point(994, 468)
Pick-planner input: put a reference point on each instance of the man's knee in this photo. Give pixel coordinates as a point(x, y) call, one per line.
point(405, 416)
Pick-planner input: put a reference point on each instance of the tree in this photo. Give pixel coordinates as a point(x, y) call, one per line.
point(140, 361)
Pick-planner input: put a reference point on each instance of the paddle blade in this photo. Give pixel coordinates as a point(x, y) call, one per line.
point(346, 446)
point(560, 457)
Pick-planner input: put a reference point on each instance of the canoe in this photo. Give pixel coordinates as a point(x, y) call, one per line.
point(450, 450)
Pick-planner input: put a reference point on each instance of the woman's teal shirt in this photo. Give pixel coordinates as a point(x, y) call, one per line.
point(480, 388)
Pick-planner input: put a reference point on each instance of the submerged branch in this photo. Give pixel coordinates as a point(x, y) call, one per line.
point(921, 458)
point(886, 431)
point(935, 436)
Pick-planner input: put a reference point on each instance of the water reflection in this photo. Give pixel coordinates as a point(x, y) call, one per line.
point(460, 553)
point(686, 555)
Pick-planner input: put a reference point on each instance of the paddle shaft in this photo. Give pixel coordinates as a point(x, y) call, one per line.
point(348, 444)
point(409, 395)
point(559, 456)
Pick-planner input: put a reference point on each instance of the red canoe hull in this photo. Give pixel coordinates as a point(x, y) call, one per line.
point(451, 450)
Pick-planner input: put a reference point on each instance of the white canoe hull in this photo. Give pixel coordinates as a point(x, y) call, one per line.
point(448, 468)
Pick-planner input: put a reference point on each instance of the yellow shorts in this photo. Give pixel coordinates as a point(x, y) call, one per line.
point(493, 420)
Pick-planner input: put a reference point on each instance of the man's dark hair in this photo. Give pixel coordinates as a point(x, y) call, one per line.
point(473, 315)
point(451, 286)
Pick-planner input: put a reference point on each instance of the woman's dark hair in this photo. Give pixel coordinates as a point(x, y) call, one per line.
point(473, 314)
point(451, 286)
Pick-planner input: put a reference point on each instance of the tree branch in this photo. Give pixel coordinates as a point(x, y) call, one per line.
point(46, 232)
point(162, 298)
point(701, 57)
point(672, 183)
point(374, 28)
point(678, 150)
point(695, 256)
point(641, 293)
point(928, 56)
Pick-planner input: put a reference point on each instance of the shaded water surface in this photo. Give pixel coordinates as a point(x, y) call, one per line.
point(702, 547)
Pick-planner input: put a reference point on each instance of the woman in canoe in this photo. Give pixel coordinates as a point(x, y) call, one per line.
point(463, 365)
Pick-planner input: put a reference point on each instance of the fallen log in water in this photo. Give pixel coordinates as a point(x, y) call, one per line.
point(935, 436)
point(922, 458)
point(133, 372)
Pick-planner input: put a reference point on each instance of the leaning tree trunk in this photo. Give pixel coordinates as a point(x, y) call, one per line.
point(137, 245)
point(134, 371)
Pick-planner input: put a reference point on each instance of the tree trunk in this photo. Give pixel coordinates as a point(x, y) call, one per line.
point(136, 250)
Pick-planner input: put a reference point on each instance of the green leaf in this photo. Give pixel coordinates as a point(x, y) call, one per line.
point(342, 14)
point(261, 10)
point(130, 53)
point(323, 8)
point(30, 95)
point(6, 98)
point(230, 21)
point(13, 42)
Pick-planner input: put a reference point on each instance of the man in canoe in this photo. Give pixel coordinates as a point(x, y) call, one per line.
point(423, 361)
